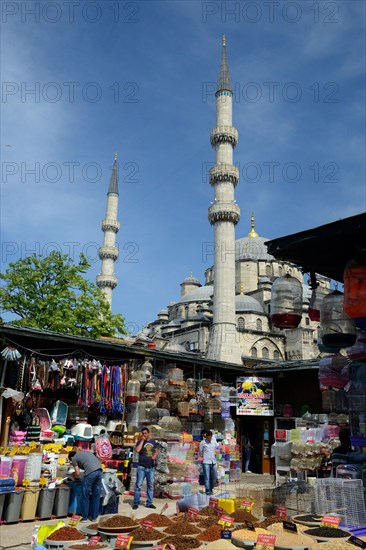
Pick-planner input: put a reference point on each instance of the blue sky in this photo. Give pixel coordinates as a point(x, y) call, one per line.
point(137, 77)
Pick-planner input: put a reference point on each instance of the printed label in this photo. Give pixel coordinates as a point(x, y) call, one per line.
point(289, 526)
point(357, 542)
point(281, 511)
point(93, 541)
point(226, 534)
point(225, 520)
point(74, 520)
point(265, 542)
point(147, 524)
point(330, 521)
point(192, 512)
point(123, 541)
point(247, 504)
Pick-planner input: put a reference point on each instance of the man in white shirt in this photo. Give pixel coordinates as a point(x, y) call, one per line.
point(207, 452)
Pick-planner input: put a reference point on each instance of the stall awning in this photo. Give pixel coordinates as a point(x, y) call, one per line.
point(325, 249)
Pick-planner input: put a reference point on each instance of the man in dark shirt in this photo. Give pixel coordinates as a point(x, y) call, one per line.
point(92, 482)
point(147, 450)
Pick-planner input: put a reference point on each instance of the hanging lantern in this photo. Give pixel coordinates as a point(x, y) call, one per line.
point(286, 302)
point(317, 296)
point(354, 278)
point(337, 328)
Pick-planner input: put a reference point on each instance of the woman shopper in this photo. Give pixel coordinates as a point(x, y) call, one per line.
point(207, 452)
point(148, 452)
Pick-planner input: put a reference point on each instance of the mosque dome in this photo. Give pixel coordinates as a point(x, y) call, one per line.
point(252, 247)
point(191, 280)
point(247, 303)
point(201, 294)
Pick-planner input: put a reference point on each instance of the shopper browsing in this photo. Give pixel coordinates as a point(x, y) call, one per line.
point(207, 452)
point(91, 483)
point(148, 452)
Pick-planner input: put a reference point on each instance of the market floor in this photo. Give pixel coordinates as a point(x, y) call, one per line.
point(18, 535)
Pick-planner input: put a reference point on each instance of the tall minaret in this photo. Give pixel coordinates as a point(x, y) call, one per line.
point(224, 214)
point(108, 253)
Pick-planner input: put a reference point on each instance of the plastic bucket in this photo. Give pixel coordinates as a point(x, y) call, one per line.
point(5, 465)
point(2, 500)
point(61, 503)
point(29, 504)
point(45, 503)
point(18, 468)
point(33, 467)
point(12, 505)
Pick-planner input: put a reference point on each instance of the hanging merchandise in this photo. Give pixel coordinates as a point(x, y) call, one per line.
point(11, 354)
point(317, 296)
point(338, 329)
point(133, 390)
point(333, 371)
point(286, 302)
point(354, 278)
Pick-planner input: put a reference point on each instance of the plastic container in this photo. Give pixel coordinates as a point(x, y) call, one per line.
point(18, 468)
point(33, 467)
point(12, 505)
point(29, 504)
point(5, 465)
point(61, 503)
point(45, 503)
point(2, 500)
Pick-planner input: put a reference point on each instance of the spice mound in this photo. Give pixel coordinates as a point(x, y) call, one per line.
point(66, 533)
point(327, 532)
point(247, 534)
point(181, 528)
point(207, 522)
point(146, 534)
point(181, 543)
point(308, 517)
point(92, 526)
point(185, 517)
point(243, 515)
point(117, 521)
point(271, 520)
point(157, 519)
point(333, 545)
point(207, 511)
point(211, 533)
point(86, 546)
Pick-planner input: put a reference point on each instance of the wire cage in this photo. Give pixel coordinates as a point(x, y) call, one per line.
point(297, 496)
point(344, 497)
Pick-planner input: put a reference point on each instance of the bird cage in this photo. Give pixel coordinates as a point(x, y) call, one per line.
point(183, 408)
point(333, 371)
point(343, 497)
point(206, 384)
point(175, 376)
point(354, 278)
point(214, 405)
point(286, 302)
point(215, 389)
point(338, 329)
point(191, 386)
point(317, 296)
point(133, 390)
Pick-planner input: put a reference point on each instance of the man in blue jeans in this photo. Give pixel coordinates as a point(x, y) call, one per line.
point(92, 482)
point(207, 452)
point(148, 452)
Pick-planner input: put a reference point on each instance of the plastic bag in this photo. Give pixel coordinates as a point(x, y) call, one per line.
point(47, 530)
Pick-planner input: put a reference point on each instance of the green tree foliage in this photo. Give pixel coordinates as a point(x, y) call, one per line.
point(51, 293)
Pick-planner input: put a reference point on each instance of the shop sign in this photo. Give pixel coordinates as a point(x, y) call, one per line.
point(123, 541)
point(74, 520)
point(254, 396)
point(265, 542)
point(281, 511)
point(330, 521)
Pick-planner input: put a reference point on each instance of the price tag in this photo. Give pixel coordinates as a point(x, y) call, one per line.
point(147, 524)
point(13, 451)
point(123, 541)
point(42, 481)
point(57, 448)
point(265, 542)
point(213, 502)
point(219, 510)
point(93, 541)
point(357, 542)
point(250, 526)
point(226, 534)
point(158, 547)
point(247, 504)
point(165, 507)
point(171, 546)
point(225, 520)
point(6, 450)
point(290, 527)
point(26, 482)
point(74, 520)
point(330, 521)
point(26, 450)
point(192, 512)
point(281, 511)
point(61, 460)
point(68, 449)
point(32, 445)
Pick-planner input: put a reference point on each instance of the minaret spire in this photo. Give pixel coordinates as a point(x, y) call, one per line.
point(224, 214)
point(108, 253)
point(252, 232)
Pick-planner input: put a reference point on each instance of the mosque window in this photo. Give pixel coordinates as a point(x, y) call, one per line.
point(253, 352)
point(241, 324)
point(259, 324)
point(280, 271)
point(307, 321)
point(268, 270)
point(276, 354)
point(265, 353)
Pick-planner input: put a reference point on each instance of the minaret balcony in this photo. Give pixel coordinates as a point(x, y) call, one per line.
point(110, 225)
point(224, 134)
point(224, 211)
point(108, 252)
point(107, 281)
point(224, 173)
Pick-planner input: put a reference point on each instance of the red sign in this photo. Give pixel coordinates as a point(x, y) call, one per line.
point(74, 520)
point(213, 502)
point(147, 524)
point(93, 541)
point(330, 521)
point(265, 541)
point(247, 505)
point(192, 512)
point(123, 541)
point(158, 547)
point(281, 511)
point(280, 435)
point(226, 520)
point(219, 510)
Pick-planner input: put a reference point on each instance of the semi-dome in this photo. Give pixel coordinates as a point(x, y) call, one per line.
point(252, 248)
point(247, 303)
point(201, 294)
